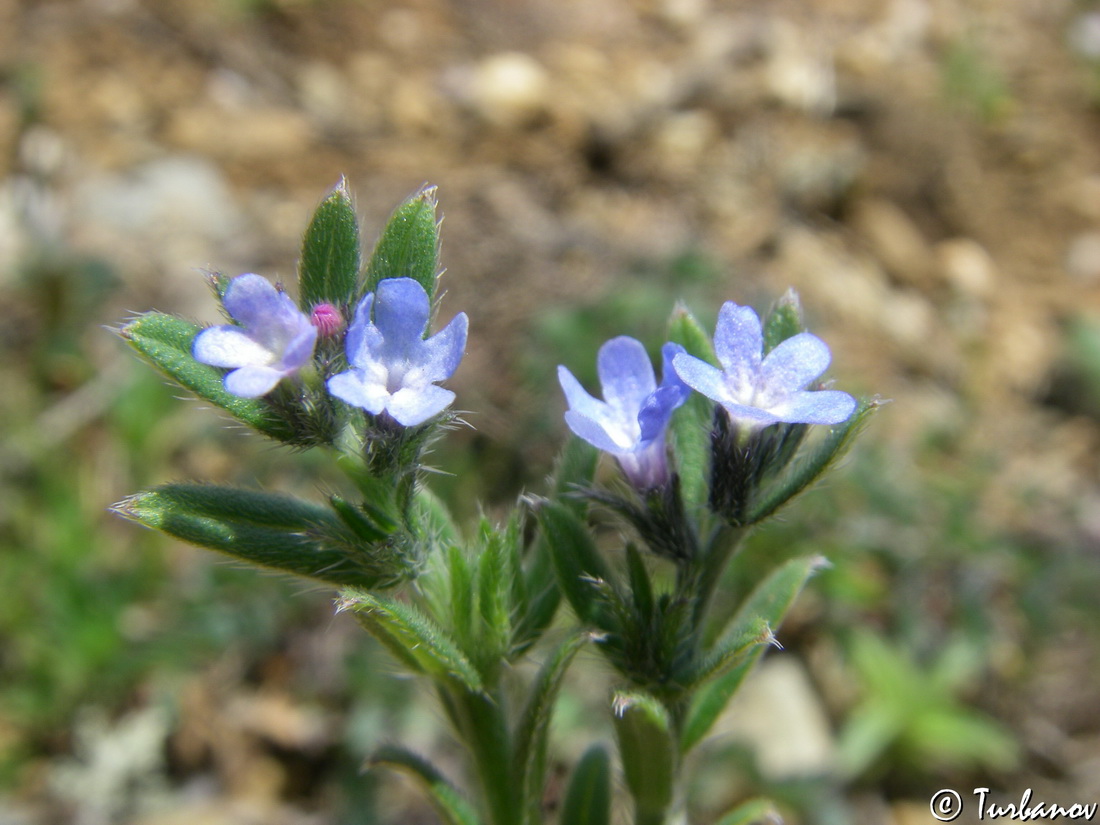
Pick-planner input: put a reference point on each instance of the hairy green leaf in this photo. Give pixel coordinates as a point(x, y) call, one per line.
point(448, 802)
point(409, 245)
point(328, 270)
point(588, 798)
point(414, 639)
point(765, 606)
point(269, 530)
point(648, 752)
point(165, 342)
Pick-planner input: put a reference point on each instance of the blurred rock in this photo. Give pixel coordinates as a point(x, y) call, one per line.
point(895, 240)
point(1084, 35)
point(967, 267)
point(508, 89)
point(252, 133)
point(780, 715)
point(800, 69)
point(1083, 258)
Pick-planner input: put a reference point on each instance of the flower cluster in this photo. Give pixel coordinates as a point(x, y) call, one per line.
point(394, 369)
point(755, 389)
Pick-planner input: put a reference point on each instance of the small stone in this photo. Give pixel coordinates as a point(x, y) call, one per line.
point(967, 267)
point(780, 714)
point(509, 89)
point(895, 240)
point(1083, 258)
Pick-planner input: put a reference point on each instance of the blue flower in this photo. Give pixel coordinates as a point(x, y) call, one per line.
point(274, 339)
point(759, 390)
point(630, 422)
point(394, 369)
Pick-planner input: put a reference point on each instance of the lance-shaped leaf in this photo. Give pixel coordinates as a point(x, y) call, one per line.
point(409, 245)
point(165, 342)
point(414, 639)
point(274, 531)
point(766, 606)
point(783, 322)
point(577, 561)
point(753, 812)
point(588, 798)
point(532, 733)
point(808, 466)
point(690, 425)
point(575, 469)
point(733, 649)
point(647, 749)
point(328, 270)
point(449, 803)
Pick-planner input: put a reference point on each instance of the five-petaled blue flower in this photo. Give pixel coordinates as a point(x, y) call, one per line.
point(630, 422)
point(274, 339)
point(759, 390)
point(393, 367)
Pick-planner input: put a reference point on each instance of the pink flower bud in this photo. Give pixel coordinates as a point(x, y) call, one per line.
point(327, 319)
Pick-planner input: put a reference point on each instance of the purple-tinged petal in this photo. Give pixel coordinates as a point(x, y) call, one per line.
point(738, 340)
point(669, 376)
point(414, 405)
point(595, 433)
point(442, 352)
point(252, 300)
point(701, 376)
point(355, 388)
point(794, 363)
point(657, 410)
point(227, 346)
point(578, 398)
point(822, 407)
point(401, 313)
point(252, 381)
point(300, 349)
point(626, 373)
point(361, 332)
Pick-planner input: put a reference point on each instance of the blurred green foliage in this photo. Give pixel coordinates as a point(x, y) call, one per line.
point(971, 81)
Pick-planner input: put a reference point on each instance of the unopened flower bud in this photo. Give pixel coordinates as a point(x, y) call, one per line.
point(327, 319)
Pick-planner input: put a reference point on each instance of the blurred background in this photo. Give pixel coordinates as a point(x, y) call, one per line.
point(926, 173)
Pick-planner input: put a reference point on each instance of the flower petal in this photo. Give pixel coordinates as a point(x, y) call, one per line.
point(228, 346)
point(751, 416)
point(579, 400)
point(738, 340)
point(414, 405)
point(669, 376)
point(441, 354)
point(595, 433)
point(253, 300)
point(794, 363)
point(299, 349)
point(701, 376)
point(822, 407)
point(252, 382)
point(626, 374)
point(353, 387)
point(362, 337)
point(401, 314)
point(657, 410)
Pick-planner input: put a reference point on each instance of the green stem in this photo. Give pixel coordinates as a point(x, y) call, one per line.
point(482, 724)
point(708, 575)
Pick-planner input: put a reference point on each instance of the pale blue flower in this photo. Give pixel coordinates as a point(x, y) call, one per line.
point(758, 390)
point(394, 369)
point(274, 338)
point(630, 422)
